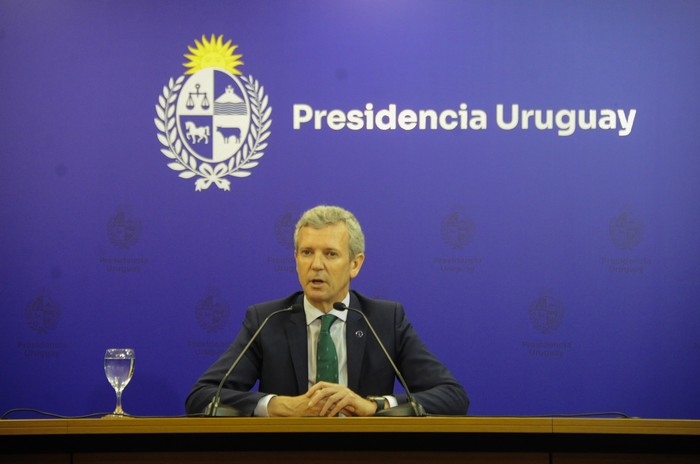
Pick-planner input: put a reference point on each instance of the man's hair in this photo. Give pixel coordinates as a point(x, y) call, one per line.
point(322, 216)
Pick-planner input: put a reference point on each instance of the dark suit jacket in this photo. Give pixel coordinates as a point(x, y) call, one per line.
point(278, 360)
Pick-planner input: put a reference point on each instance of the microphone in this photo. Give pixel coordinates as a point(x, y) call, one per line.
point(412, 408)
point(215, 409)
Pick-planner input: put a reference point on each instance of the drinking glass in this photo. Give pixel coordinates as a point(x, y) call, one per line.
point(119, 367)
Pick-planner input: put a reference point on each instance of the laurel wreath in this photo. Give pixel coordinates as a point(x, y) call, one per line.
point(187, 164)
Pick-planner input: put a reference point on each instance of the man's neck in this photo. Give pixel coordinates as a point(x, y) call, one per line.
point(325, 308)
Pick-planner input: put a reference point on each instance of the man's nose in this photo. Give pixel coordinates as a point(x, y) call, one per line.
point(317, 262)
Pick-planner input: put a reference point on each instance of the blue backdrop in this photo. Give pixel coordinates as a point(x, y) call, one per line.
point(547, 252)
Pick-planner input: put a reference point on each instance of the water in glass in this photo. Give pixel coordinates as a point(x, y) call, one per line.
point(119, 367)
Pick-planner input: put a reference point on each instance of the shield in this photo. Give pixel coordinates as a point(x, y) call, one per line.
point(213, 115)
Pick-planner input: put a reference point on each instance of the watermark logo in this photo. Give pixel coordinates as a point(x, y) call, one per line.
point(214, 123)
point(124, 229)
point(626, 230)
point(457, 229)
point(284, 228)
point(212, 312)
point(546, 314)
point(42, 313)
point(124, 232)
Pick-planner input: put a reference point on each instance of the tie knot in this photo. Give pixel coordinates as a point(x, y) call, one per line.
point(326, 321)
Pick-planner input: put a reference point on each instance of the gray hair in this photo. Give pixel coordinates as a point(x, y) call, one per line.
point(322, 216)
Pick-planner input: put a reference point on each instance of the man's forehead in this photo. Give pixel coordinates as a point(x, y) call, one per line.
point(336, 231)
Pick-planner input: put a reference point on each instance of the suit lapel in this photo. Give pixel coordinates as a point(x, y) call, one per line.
point(298, 348)
point(356, 333)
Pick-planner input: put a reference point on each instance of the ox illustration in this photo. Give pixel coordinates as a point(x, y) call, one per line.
point(228, 132)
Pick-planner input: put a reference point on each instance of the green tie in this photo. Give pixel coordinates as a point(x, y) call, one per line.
point(326, 357)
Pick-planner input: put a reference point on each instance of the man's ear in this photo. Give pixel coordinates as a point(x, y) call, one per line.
point(356, 264)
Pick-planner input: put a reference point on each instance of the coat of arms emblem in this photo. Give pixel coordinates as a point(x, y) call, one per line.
point(212, 121)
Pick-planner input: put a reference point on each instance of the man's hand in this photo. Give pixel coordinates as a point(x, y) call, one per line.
point(331, 399)
point(292, 406)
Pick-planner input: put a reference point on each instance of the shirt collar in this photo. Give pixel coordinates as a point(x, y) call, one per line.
point(313, 313)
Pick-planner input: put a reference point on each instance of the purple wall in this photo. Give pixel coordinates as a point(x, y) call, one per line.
point(552, 273)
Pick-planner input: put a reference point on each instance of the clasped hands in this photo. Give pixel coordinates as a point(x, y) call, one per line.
point(322, 399)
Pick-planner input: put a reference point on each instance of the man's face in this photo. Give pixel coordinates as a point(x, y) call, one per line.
point(324, 265)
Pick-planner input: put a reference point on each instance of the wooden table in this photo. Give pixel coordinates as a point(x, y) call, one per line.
point(349, 440)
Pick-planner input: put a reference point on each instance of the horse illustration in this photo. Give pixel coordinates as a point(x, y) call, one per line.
point(194, 131)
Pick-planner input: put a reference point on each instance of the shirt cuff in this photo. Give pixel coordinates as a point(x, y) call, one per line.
point(261, 408)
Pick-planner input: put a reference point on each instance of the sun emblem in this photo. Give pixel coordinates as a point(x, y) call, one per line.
point(213, 123)
point(213, 53)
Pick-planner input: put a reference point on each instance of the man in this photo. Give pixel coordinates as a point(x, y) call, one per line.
point(284, 359)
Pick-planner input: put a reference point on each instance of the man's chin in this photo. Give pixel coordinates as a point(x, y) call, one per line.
point(319, 299)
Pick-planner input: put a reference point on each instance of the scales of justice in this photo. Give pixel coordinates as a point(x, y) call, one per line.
point(204, 101)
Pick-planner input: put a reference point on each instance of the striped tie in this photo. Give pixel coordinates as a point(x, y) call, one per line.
point(326, 356)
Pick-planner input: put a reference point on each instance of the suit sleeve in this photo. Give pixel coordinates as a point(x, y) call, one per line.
point(430, 382)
